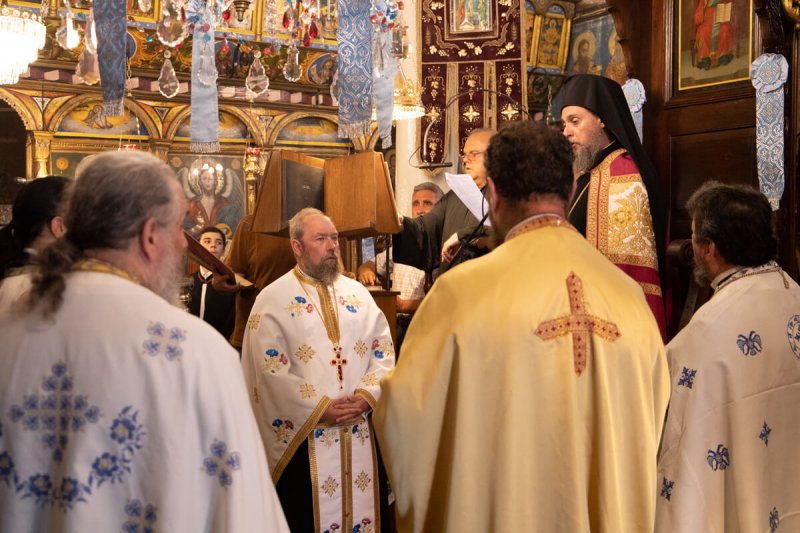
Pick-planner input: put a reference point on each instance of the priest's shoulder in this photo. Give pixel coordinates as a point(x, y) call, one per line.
point(623, 164)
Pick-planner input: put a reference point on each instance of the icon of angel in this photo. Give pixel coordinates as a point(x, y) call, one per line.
point(215, 196)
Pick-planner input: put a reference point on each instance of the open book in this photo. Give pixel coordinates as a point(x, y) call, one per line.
point(207, 260)
point(722, 13)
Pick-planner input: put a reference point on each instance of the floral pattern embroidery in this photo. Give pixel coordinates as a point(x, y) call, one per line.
point(284, 430)
point(350, 302)
point(330, 486)
point(307, 391)
point(305, 353)
point(222, 463)
point(360, 348)
point(382, 348)
point(333, 528)
point(328, 437)
point(774, 520)
point(370, 380)
point(362, 481)
point(273, 361)
point(299, 305)
point(56, 412)
point(687, 377)
point(765, 431)
point(141, 518)
point(630, 230)
point(749, 345)
point(253, 321)
point(164, 341)
point(719, 459)
point(361, 432)
point(364, 527)
point(666, 489)
point(793, 332)
point(64, 492)
point(128, 433)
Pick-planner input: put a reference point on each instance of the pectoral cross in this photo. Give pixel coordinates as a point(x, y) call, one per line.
point(579, 323)
point(339, 363)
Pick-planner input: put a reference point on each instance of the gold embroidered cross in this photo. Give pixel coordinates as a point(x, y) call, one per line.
point(339, 363)
point(579, 323)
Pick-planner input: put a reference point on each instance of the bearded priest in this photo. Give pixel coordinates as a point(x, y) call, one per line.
point(315, 349)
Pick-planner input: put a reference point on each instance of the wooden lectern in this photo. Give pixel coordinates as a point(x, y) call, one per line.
point(355, 191)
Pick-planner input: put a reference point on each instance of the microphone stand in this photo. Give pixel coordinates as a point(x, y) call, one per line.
point(464, 242)
point(427, 165)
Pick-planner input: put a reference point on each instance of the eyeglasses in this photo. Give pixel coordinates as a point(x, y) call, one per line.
point(472, 155)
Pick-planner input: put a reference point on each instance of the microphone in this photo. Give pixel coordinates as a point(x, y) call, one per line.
point(430, 166)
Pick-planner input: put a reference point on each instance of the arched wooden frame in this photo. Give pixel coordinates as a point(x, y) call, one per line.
point(32, 121)
point(277, 126)
point(250, 122)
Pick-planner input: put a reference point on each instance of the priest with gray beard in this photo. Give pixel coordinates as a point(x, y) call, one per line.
point(118, 410)
point(315, 349)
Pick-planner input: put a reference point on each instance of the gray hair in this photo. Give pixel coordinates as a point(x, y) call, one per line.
point(115, 194)
point(297, 225)
point(429, 186)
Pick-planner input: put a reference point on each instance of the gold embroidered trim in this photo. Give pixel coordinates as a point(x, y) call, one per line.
point(541, 221)
point(650, 288)
point(362, 481)
point(347, 477)
point(329, 312)
point(367, 396)
point(312, 460)
point(96, 265)
point(360, 348)
point(300, 436)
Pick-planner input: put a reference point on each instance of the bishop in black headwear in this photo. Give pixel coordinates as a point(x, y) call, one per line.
point(616, 201)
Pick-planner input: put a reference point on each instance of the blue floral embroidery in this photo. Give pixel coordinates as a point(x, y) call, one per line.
point(350, 302)
point(8, 473)
point(43, 491)
point(164, 341)
point(382, 348)
point(718, 460)
point(749, 345)
point(764, 435)
point(141, 518)
point(222, 463)
point(793, 332)
point(333, 528)
point(128, 434)
point(364, 527)
point(56, 412)
point(774, 520)
point(666, 489)
point(687, 377)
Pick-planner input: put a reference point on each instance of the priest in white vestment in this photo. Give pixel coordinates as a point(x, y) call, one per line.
point(533, 383)
point(315, 349)
point(118, 410)
point(729, 460)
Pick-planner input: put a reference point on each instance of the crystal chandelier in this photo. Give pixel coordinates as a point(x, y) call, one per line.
point(22, 32)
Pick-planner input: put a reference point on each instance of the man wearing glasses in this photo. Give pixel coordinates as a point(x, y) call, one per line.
point(426, 242)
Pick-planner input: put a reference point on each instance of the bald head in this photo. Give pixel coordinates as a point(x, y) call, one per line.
point(473, 155)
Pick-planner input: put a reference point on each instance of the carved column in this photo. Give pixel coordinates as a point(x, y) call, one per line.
point(160, 148)
point(252, 175)
point(39, 153)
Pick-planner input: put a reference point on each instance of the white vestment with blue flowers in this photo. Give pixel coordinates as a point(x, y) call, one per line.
point(730, 458)
point(293, 369)
point(124, 413)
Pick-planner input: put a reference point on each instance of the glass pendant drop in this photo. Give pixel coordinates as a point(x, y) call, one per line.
point(171, 29)
point(292, 70)
point(335, 88)
point(168, 84)
point(257, 81)
point(145, 5)
point(90, 36)
point(88, 68)
point(207, 67)
point(67, 35)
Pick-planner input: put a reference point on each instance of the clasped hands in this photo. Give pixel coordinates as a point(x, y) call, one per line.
point(346, 410)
